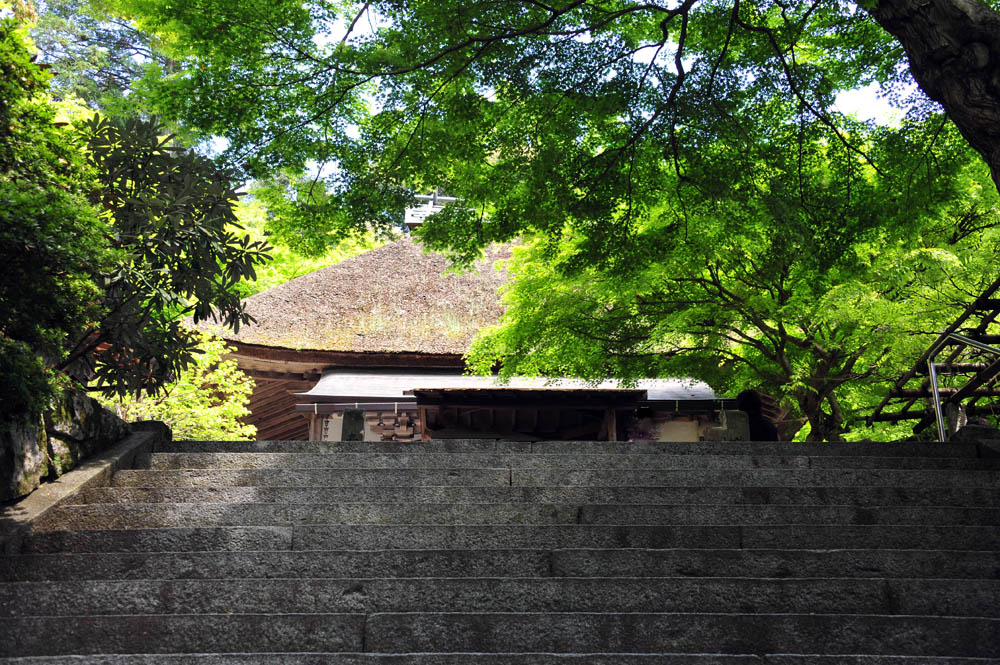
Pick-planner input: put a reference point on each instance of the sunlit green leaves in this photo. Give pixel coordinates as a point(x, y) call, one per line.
point(52, 247)
point(799, 276)
point(207, 400)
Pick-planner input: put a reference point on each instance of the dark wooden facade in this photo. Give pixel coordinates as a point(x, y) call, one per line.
point(272, 410)
point(279, 374)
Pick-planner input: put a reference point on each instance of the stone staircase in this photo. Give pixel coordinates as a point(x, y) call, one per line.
point(515, 553)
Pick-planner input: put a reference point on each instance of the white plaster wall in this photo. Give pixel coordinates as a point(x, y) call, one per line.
point(677, 430)
point(334, 427)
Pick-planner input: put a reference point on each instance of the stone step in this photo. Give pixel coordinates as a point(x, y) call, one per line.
point(226, 539)
point(857, 496)
point(504, 633)
point(900, 449)
point(701, 633)
point(220, 633)
point(492, 659)
point(517, 536)
point(154, 515)
point(311, 477)
point(556, 477)
point(690, 563)
point(975, 598)
point(428, 460)
point(610, 536)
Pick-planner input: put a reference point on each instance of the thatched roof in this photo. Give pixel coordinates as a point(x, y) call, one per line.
point(391, 299)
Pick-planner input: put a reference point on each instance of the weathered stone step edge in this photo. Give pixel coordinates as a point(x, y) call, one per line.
point(753, 495)
point(426, 460)
point(294, 595)
point(735, 633)
point(902, 448)
point(151, 515)
point(688, 563)
point(493, 659)
point(556, 477)
point(505, 632)
point(714, 536)
point(446, 537)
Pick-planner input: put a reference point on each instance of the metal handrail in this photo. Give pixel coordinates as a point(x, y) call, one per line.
point(932, 372)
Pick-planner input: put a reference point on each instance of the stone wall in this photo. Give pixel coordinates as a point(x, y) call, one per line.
point(44, 448)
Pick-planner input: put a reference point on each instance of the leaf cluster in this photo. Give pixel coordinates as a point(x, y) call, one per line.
point(170, 217)
point(207, 401)
point(534, 114)
point(109, 236)
point(52, 245)
point(96, 57)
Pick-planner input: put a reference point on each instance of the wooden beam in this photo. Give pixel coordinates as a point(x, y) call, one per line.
point(330, 359)
point(983, 338)
point(285, 376)
point(971, 388)
point(956, 368)
point(981, 301)
point(953, 394)
point(490, 404)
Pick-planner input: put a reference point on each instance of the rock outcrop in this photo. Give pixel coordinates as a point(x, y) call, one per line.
point(37, 449)
point(23, 456)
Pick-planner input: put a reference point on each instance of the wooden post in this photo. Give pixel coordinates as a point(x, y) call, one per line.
point(612, 423)
point(425, 433)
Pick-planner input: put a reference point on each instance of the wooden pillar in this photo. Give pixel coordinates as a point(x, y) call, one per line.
point(425, 432)
point(610, 420)
point(315, 427)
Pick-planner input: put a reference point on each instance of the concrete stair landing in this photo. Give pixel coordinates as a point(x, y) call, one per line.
point(517, 553)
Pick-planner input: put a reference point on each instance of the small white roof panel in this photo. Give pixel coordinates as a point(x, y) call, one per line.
point(394, 384)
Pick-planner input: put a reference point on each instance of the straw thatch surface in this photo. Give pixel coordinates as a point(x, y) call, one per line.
point(394, 298)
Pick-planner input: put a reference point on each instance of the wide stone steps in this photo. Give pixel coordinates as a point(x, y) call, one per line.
point(733, 495)
point(304, 595)
point(467, 536)
point(139, 515)
point(519, 552)
point(516, 632)
point(550, 461)
point(521, 477)
point(343, 658)
point(686, 563)
point(904, 449)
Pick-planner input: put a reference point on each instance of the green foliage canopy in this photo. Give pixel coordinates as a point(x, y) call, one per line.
point(52, 245)
point(206, 402)
point(629, 141)
point(804, 274)
point(533, 114)
point(97, 58)
point(170, 214)
point(109, 236)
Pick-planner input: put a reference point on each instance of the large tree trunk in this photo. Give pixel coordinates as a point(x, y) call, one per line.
point(822, 426)
point(954, 52)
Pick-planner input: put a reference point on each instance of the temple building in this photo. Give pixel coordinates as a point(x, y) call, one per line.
point(371, 349)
